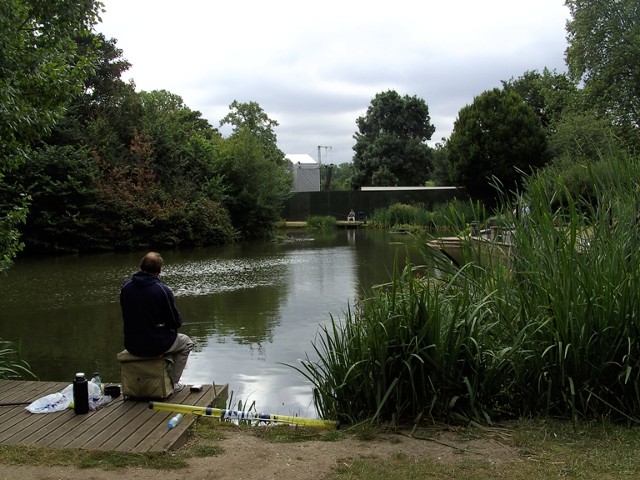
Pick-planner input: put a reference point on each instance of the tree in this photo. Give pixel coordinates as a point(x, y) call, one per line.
point(251, 117)
point(254, 169)
point(440, 173)
point(42, 68)
point(582, 136)
point(390, 146)
point(336, 177)
point(549, 94)
point(603, 53)
point(123, 170)
point(499, 136)
point(173, 127)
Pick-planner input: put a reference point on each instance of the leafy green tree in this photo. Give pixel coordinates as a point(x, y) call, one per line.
point(582, 136)
point(390, 146)
point(440, 173)
point(124, 170)
point(338, 177)
point(42, 68)
point(250, 116)
point(549, 94)
point(107, 115)
point(173, 127)
point(254, 170)
point(499, 136)
point(603, 53)
point(62, 183)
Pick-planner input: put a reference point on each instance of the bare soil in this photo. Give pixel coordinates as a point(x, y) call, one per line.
point(248, 457)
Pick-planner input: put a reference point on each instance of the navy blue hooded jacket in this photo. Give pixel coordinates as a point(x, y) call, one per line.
point(151, 319)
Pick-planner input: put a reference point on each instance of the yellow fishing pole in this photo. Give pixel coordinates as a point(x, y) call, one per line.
point(240, 415)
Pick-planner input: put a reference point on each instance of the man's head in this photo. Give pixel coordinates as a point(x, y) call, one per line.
point(151, 263)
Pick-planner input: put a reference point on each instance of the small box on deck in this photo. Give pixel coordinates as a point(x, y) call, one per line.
point(145, 377)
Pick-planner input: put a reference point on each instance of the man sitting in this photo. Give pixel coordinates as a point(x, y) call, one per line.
point(151, 318)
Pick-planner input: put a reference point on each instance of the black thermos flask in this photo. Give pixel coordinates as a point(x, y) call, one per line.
point(80, 394)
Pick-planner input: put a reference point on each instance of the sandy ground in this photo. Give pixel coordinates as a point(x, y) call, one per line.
point(247, 457)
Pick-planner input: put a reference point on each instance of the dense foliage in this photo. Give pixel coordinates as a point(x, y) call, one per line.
point(453, 216)
point(390, 146)
point(498, 137)
point(126, 170)
point(46, 56)
point(603, 52)
point(336, 177)
point(549, 94)
point(554, 332)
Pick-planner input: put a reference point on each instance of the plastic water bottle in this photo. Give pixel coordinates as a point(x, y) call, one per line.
point(174, 421)
point(80, 394)
point(96, 379)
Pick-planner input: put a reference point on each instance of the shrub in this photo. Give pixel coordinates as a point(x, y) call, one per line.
point(318, 222)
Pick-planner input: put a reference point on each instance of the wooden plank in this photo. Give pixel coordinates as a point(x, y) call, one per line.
point(96, 425)
point(152, 433)
point(52, 426)
point(133, 429)
point(122, 425)
point(161, 438)
point(15, 391)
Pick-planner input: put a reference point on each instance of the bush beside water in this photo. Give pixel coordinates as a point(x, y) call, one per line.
point(321, 222)
point(554, 334)
point(447, 216)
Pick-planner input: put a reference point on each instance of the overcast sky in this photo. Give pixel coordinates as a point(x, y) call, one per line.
point(314, 67)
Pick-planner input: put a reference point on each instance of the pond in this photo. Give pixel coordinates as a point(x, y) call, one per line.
point(253, 309)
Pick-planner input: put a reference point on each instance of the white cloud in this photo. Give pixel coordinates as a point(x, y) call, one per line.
point(314, 67)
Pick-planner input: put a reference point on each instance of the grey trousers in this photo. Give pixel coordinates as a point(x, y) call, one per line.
point(180, 351)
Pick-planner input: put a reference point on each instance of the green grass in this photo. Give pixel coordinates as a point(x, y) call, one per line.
point(48, 457)
point(543, 449)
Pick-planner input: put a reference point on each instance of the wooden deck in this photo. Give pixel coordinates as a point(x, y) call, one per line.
point(339, 224)
point(345, 224)
point(122, 425)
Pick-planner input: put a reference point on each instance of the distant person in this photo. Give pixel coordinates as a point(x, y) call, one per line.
point(352, 216)
point(151, 318)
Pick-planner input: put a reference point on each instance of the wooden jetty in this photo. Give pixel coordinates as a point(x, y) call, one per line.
point(123, 425)
point(347, 224)
point(339, 224)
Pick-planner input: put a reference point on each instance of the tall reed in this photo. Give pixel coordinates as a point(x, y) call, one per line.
point(554, 332)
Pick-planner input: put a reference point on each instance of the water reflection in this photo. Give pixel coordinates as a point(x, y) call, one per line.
point(252, 308)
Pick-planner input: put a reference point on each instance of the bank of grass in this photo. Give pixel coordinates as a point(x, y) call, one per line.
point(555, 333)
point(541, 449)
point(544, 449)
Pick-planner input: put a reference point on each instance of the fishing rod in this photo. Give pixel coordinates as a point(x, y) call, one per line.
point(241, 415)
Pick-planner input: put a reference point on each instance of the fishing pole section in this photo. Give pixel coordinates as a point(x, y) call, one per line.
point(224, 414)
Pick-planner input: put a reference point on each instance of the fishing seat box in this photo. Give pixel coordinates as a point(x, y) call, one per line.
point(145, 377)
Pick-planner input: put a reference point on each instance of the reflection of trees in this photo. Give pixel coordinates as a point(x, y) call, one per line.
point(247, 316)
point(376, 253)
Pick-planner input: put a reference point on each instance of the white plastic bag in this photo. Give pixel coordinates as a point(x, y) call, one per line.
point(55, 402)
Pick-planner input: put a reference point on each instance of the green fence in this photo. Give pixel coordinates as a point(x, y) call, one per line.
point(304, 204)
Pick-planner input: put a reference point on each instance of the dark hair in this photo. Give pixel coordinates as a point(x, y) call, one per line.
point(151, 263)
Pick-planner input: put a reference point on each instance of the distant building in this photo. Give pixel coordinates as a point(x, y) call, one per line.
point(306, 172)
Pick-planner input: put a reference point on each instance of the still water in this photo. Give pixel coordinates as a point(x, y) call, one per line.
point(252, 308)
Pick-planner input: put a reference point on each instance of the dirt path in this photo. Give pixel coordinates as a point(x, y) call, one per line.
point(247, 457)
